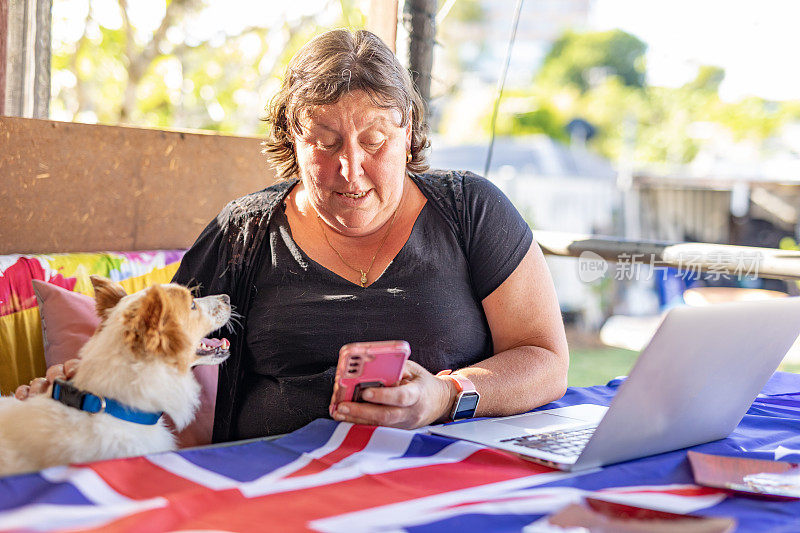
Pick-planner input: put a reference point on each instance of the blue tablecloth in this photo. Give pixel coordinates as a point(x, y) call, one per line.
point(339, 477)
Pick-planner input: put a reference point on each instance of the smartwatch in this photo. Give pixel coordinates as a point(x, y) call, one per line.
point(467, 399)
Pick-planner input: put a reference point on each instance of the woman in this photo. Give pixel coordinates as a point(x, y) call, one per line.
point(354, 244)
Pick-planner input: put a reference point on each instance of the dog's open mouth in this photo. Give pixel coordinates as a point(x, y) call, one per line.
point(212, 351)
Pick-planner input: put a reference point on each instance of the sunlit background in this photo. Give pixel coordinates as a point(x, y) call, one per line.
point(214, 64)
point(662, 83)
point(672, 120)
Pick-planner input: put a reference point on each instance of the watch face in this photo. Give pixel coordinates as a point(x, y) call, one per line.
point(467, 404)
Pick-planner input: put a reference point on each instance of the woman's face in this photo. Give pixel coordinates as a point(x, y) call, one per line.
point(352, 157)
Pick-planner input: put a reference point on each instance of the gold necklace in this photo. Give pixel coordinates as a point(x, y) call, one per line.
point(363, 273)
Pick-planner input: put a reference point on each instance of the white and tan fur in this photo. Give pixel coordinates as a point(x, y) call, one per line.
point(141, 355)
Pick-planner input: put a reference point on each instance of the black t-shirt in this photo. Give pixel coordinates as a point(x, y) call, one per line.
point(430, 295)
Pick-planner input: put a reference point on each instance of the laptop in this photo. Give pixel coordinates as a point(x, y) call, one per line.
point(692, 384)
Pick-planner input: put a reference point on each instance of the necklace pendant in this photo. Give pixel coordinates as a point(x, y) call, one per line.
point(363, 278)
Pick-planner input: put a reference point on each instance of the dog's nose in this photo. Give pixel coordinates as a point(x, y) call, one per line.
point(225, 298)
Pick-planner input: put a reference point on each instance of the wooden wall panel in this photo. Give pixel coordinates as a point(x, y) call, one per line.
point(67, 187)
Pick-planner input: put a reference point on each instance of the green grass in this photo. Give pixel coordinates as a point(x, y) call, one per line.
point(795, 368)
point(596, 366)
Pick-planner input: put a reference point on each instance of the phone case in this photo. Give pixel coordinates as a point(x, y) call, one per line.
point(368, 364)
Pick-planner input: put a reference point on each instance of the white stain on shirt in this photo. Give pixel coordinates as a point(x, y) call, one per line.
point(338, 297)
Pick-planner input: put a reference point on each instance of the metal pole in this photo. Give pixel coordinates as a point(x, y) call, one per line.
point(41, 59)
point(3, 46)
point(419, 18)
point(26, 68)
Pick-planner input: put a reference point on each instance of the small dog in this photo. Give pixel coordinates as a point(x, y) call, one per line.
point(136, 366)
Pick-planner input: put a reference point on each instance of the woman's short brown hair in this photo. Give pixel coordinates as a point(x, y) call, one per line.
point(326, 68)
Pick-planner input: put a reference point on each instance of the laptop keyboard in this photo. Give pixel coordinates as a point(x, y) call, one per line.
point(567, 443)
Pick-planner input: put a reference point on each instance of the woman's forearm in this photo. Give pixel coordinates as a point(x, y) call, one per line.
point(517, 380)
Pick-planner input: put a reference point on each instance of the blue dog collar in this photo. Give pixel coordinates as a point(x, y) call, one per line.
point(66, 393)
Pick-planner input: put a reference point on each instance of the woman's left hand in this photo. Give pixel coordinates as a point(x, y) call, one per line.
point(419, 400)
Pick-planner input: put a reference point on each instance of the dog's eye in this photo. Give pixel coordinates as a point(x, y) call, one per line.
point(194, 305)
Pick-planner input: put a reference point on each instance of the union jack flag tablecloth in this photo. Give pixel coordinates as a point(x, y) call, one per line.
point(341, 478)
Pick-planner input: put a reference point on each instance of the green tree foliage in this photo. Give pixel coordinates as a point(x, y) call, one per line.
point(709, 78)
point(599, 76)
point(579, 59)
point(123, 68)
point(465, 10)
point(544, 119)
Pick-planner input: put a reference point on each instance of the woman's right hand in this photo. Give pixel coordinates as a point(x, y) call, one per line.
point(40, 385)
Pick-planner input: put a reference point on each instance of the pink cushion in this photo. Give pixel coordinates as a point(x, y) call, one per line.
point(69, 319)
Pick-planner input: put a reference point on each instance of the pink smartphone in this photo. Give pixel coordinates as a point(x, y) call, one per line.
point(368, 364)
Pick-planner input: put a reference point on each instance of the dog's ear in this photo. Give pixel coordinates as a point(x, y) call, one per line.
point(107, 294)
point(153, 328)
